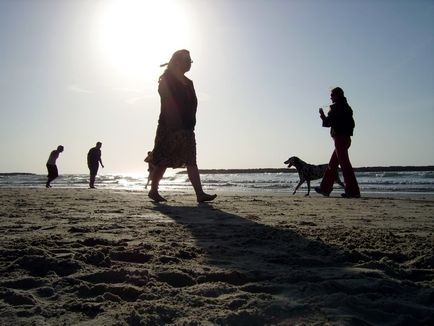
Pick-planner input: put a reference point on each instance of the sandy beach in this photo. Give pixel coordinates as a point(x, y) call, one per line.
point(106, 257)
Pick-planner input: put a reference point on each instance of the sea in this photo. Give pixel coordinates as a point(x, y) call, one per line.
point(384, 182)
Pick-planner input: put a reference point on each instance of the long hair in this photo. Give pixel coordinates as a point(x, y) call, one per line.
point(339, 94)
point(177, 56)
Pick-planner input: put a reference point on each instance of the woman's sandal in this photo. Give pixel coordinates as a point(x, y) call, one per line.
point(205, 197)
point(155, 196)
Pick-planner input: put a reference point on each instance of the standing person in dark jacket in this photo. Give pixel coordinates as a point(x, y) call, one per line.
point(341, 123)
point(93, 162)
point(175, 142)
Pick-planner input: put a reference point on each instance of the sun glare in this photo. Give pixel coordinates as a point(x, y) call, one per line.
point(136, 36)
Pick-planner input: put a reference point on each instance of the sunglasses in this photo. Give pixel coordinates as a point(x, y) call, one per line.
point(187, 60)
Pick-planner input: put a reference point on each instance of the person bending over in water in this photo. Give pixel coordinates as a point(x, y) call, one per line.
point(53, 173)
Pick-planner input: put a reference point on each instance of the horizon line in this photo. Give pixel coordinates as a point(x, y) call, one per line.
point(379, 168)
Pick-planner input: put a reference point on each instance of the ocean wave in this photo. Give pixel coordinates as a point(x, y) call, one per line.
point(418, 181)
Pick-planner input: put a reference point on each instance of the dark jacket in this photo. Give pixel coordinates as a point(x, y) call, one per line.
point(93, 157)
point(178, 103)
point(339, 119)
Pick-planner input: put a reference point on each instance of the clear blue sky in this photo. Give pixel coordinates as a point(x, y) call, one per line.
point(74, 72)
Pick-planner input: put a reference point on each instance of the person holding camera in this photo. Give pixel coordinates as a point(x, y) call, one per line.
point(341, 123)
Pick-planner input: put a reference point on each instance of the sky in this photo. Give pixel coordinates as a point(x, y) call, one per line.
point(74, 72)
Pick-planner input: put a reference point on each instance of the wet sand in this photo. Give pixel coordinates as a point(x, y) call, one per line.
point(106, 257)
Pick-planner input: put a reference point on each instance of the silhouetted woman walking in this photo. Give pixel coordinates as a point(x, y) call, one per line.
point(341, 123)
point(175, 142)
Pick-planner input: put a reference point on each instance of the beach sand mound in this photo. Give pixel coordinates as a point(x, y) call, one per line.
point(77, 256)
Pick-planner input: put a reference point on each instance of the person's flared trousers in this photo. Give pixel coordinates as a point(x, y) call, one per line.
point(340, 157)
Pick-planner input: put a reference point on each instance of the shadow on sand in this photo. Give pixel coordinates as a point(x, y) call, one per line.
point(304, 279)
point(234, 242)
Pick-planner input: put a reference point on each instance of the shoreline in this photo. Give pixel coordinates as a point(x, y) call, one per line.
point(248, 192)
point(75, 255)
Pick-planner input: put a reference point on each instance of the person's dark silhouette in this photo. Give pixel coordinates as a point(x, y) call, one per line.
point(93, 162)
point(53, 173)
point(175, 141)
point(341, 123)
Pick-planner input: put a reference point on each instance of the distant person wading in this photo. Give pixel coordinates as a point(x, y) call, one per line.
point(93, 162)
point(175, 142)
point(51, 165)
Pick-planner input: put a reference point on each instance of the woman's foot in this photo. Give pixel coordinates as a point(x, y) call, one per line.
point(345, 195)
point(155, 196)
point(318, 190)
point(205, 197)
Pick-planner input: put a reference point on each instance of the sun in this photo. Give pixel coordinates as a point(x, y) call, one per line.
point(136, 36)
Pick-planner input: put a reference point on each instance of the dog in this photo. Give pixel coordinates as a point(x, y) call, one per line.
point(308, 172)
